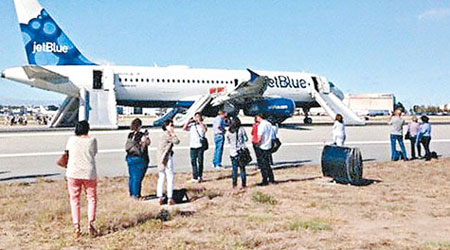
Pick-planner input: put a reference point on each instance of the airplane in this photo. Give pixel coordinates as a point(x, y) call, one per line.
point(93, 90)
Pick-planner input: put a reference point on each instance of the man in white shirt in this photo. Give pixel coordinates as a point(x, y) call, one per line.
point(265, 133)
point(197, 130)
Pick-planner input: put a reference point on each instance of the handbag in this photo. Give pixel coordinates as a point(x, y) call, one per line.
point(132, 147)
point(276, 144)
point(407, 136)
point(244, 157)
point(203, 140)
point(62, 161)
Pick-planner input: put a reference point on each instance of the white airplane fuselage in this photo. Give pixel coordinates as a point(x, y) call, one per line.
point(164, 86)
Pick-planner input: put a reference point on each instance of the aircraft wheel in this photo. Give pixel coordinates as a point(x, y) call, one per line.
point(307, 120)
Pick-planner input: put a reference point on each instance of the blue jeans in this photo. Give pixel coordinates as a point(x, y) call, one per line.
point(235, 166)
point(137, 166)
point(197, 162)
point(398, 138)
point(219, 141)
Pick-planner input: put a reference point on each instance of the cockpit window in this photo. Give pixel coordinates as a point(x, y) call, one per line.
point(331, 84)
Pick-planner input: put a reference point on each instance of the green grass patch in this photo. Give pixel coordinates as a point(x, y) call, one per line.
point(317, 224)
point(436, 246)
point(263, 198)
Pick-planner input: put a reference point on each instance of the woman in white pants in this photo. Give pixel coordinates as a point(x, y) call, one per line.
point(165, 162)
point(339, 131)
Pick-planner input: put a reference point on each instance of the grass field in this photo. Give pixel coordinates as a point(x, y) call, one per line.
point(408, 207)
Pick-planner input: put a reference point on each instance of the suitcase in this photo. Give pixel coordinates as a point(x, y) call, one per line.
point(343, 164)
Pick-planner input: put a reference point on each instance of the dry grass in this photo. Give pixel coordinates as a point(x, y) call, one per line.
point(408, 209)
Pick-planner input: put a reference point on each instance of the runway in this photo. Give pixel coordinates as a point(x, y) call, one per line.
point(25, 156)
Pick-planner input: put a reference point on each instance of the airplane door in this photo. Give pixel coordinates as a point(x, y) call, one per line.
point(325, 85)
point(97, 79)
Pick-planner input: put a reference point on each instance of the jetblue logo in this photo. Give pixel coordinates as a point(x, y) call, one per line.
point(287, 82)
point(49, 47)
point(278, 107)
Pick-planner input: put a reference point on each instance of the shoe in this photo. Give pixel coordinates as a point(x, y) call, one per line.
point(161, 201)
point(263, 184)
point(92, 231)
point(199, 179)
point(218, 167)
point(193, 180)
point(77, 230)
point(172, 202)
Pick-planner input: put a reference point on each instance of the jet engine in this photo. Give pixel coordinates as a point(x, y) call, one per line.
point(276, 110)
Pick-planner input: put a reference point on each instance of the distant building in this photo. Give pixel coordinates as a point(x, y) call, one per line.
point(445, 107)
point(367, 104)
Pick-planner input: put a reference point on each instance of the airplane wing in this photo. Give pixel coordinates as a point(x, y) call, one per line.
point(48, 79)
point(252, 89)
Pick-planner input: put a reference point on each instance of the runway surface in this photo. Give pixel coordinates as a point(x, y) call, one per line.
point(25, 156)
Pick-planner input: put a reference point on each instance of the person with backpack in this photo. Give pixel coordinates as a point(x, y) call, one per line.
point(137, 157)
point(237, 138)
point(165, 162)
point(265, 145)
point(424, 136)
point(198, 144)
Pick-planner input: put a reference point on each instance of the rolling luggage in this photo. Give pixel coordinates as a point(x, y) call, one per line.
point(343, 164)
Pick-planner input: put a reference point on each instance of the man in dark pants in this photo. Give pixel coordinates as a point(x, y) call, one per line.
point(265, 144)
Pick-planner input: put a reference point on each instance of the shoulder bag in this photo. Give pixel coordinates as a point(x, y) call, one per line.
point(62, 161)
point(244, 157)
point(203, 140)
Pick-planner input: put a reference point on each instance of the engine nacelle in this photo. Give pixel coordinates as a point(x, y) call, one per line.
point(274, 109)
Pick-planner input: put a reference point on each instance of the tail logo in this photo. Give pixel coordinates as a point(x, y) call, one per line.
point(47, 44)
point(49, 47)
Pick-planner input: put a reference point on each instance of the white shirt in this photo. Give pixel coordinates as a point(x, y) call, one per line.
point(81, 164)
point(265, 132)
point(338, 129)
point(195, 131)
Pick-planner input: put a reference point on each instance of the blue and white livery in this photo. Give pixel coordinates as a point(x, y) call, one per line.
point(93, 90)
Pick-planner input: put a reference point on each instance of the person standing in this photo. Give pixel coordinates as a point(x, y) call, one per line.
point(424, 136)
point(137, 157)
point(397, 123)
point(237, 138)
point(413, 130)
point(219, 133)
point(165, 162)
point(339, 131)
point(255, 141)
point(82, 173)
point(265, 144)
point(197, 130)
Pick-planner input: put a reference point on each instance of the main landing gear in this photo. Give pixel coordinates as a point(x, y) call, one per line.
point(307, 120)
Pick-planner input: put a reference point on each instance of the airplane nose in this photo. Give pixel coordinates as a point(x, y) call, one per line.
point(3, 74)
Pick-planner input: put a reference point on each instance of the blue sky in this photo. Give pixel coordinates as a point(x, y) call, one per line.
point(400, 47)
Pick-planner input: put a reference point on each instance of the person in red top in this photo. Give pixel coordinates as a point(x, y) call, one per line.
point(255, 141)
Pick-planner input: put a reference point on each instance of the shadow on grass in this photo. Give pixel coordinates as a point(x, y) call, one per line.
point(27, 177)
point(275, 166)
point(359, 183)
point(288, 181)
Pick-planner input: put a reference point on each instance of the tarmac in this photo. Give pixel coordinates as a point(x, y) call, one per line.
point(29, 155)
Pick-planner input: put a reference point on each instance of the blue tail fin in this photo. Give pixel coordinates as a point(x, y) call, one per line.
point(45, 42)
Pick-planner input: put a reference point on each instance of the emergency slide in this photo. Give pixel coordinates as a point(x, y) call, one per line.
point(197, 106)
point(333, 106)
